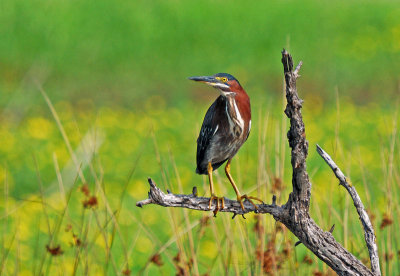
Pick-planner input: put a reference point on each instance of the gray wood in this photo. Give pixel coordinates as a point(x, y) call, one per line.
point(369, 234)
point(295, 213)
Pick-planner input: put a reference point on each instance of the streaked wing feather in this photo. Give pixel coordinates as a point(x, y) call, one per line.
point(207, 131)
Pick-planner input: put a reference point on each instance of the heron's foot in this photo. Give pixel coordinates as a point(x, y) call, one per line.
point(249, 199)
point(220, 203)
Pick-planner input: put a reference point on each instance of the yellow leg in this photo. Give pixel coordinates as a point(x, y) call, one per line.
point(239, 196)
point(213, 196)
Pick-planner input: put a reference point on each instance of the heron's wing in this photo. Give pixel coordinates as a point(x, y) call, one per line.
point(207, 131)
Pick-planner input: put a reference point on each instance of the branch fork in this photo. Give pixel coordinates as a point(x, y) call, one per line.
point(295, 213)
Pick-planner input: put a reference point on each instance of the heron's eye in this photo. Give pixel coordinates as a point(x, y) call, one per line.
point(224, 79)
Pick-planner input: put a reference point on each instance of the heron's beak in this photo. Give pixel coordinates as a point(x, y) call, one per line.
point(211, 80)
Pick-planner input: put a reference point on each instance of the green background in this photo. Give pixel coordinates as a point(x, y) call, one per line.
point(116, 73)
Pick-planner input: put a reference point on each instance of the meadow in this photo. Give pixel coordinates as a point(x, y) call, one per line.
point(94, 98)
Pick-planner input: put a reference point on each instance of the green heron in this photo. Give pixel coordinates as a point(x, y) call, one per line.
point(225, 128)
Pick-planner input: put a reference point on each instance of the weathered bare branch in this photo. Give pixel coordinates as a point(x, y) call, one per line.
point(295, 213)
point(366, 222)
point(192, 201)
point(299, 222)
point(296, 134)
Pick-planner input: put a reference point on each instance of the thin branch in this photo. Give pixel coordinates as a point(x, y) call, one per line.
point(366, 222)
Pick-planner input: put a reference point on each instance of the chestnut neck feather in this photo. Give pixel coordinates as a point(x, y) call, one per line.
point(239, 102)
point(243, 104)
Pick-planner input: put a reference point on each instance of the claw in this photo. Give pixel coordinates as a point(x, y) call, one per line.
point(240, 201)
point(249, 199)
point(218, 207)
point(212, 197)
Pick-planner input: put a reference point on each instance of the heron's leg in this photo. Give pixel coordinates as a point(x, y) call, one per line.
point(239, 196)
point(213, 196)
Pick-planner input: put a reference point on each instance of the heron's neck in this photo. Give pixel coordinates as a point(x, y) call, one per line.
point(238, 110)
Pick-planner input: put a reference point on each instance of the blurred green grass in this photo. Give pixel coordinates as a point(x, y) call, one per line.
point(116, 74)
point(120, 52)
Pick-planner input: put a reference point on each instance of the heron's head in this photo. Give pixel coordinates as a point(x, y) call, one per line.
point(225, 83)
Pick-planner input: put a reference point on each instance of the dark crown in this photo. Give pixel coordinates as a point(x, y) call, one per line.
point(226, 75)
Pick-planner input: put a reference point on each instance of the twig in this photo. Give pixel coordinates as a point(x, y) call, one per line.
point(366, 222)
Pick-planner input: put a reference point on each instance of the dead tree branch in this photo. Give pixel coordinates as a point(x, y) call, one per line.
point(192, 201)
point(369, 234)
point(295, 213)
